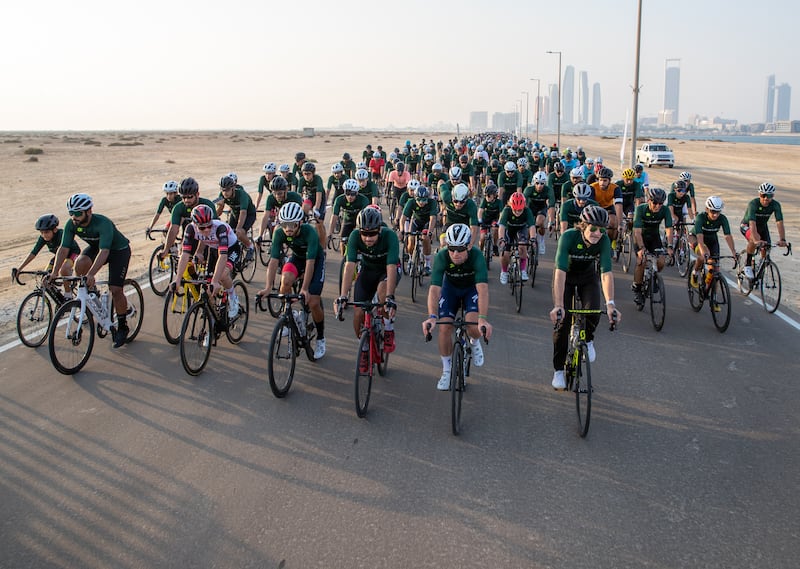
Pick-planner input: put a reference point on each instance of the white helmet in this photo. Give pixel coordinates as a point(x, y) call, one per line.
point(437, 167)
point(79, 202)
point(576, 173)
point(460, 193)
point(455, 173)
point(522, 162)
point(428, 157)
point(413, 185)
point(540, 177)
point(336, 168)
point(362, 174)
point(510, 166)
point(458, 235)
point(290, 212)
point(714, 203)
point(269, 168)
point(361, 166)
point(171, 187)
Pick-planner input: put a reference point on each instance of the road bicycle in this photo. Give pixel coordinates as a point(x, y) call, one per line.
point(460, 364)
point(766, 277)
point(355, 272)
point(681, 248)
point(713, 287)
point(75, 323)
point(625, 250)
point(554, 229)
point(653, 292)
point(488, 244)
point(178, 302)
point(371, 354)
point(161, 271)
point(206, 320)
point(533, 261)
point(245, 264)
point(416, 263)
point(335, 235)
point(515, 282)
point(36, 309)
point(294, 330)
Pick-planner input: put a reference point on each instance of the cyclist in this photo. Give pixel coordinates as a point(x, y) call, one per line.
point(454, 178)
point(580, 155)
point(509, 181)
point(310, 186)
point(412, 161)
point(279, 195)
point(494, 170)
point(609, 196)
point(297, 167)
point(489, 215)
point(575, 176)
point(367, 186)
point(206, 232)
point(289, 176)
point(426, 168)
point(527, 173)
point(587, 169)
point(580, 251)
point(706, 229)
point(265, 180)
point(754, 223)
point(459, 208)
point(480, 162)
point(437, 175)
point(632, 192)
point(647, 236)
point(411, 191)
point(542, 202)
point(514, 229)
point(50, 236)
point(459, 278)
point(557, 178)
point(376, 165)
point(181, 213)
point(680, 203)
point(569, 161)
point(307, 262)
point(570, 213)
point(243, 211)
point(378, 247)
point(420, 216)
point(366, 154)
point(347, 207)
point(336, 183)
point(106, 245)
point(467, 172)
point(641, 176)
point(398, 182)
point(168, 201)
point(348, 165)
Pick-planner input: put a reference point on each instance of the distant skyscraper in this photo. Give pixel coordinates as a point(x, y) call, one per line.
point(498, 122)
point(553, 114)
point(583, 98)
point(769, 100)
point(568, 102)
point(672, 90)
point(784, 92)
point(478, 121)
point(596, 117)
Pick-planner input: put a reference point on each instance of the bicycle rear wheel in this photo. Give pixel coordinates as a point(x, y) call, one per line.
point(33, 319)
point(282, 358)
point(197, 335)
point(238, 324)
point(720, 303)
point(487, 250)
point(175, 308)
point(771, 287)
point(695, 296)
point(160, 273)
point(382, 356)
point(247, 268)
point(582, 386)
point(135, 299)
point(363, 379)
point(658, 301)
point(70, 344)
point(456, 386)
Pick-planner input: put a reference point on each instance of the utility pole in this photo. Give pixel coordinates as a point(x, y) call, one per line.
point(635, 121)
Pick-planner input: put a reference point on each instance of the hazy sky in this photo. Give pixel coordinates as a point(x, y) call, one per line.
point(248, 64)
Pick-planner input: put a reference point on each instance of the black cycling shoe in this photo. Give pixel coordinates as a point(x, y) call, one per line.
point(120, 335)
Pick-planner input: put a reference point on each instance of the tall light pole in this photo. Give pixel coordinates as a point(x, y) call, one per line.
point(558, 136)
point(527, 107)
point(538, 105)
point(519, 119)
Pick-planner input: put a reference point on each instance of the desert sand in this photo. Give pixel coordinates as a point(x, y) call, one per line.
point(124, 173)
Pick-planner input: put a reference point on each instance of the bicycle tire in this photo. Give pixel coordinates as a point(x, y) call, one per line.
point(533, 263)
point(264, 251)
point(683, 255)
point(237, 325)
point(487, 249)
point(658, 301)
point(627, 252)
point(281, 348)
point(70, 346)
point(135, 298)
point(383, 356)
point(413, 273)
point(582, 386)
point(247, 269)
point(695, 296)
point(363, 380)
point(175, 308)
point(456, 387)
point(33, 318)
point(197, 336)
point(157, 269)
point(770, 287)
point(518, 289)
point(310, 337)
point(720, 297)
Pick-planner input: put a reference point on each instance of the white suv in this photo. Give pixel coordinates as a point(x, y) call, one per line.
point(656, 153)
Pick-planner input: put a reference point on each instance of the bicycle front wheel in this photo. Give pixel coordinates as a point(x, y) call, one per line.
point(695, 296)
point(263, 251)
point(487, 250)
point(456, 386)
point(160, 272)
point(247, 269)
point(363, 380)
point(281, 359)
point(517, 290)
point(382, 357)
point(533, 263)
point(33, 319)
point(771, 287)
point(627, 252)
point(582, 386)
point(197, 335)
point(414, 274)
point(683, 256)
point(238, 324)
point(720, 303)
point(658, 301)
point(71, 339)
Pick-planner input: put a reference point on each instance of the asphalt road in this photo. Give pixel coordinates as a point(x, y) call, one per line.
point(691, 460)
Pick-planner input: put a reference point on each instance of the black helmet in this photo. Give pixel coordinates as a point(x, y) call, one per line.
point(491, 190)
point(495, 163)
point(308, 167)
point(595, 215)
point(605, 173)
point(278, 183)
point(46, 222)
point(657, 195)
point(400, 167)
point(558, 166)
point(189, 187)
point(226, 182)
point(300, 156)
point(368, 219)
point(346, 156)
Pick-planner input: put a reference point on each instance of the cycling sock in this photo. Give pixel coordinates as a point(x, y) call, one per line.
point(388, 325)
point(523, 264)
point(427, 260)
point(446, 362)
point(320, 330)
point(474, 341)
point(749, 260)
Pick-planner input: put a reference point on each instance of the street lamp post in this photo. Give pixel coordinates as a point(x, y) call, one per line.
point(558, 136)
point(527, 107)
point(538, 105)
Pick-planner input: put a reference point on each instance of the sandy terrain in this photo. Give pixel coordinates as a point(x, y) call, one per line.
point(124, 173)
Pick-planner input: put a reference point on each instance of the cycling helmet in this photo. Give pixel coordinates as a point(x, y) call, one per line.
point(595, 215)
point(540, 178)
point(79, 202)
point(686, 176)
point(516, 201)
point(422, 193)
point(554, 155)
point(369, 219)
point(189, 187)
point(509, 166)
point(491, 190)
point(392, 156)
point(400, 167)
point(413, 185)
point(234, 176)
point(308, 167)
point(576, 173)
point(171, 187)
point(437, 167)
point(605, 173)
point(455, 173)
point(559, 167)
point(599, 160)
point(46, 222)
point(458, 235)
point(227, 182)
point(628, 174)
point(460, 193)
point(202, 215)
point(714, 203)
point(495, 163)
point(589, 160)
point(300, 156)
point(350, 186)
point(639, 168)
point(269, 168)
point(463, 159)
point(680, 185)
point(376, 154)
point(480, 148)
point(337, 168)
point(512, 153)
point(522, 162)
point(581, 191)
point(278, 184)
point(361, 166)
point(657, 195)
point(766, 189)
point(284, 169)
point(428, 157)
point(290, 212)
point(346, 156)
point(362, 174)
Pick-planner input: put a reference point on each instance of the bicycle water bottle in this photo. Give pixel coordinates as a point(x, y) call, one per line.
point(104, 307)
point(300, 320)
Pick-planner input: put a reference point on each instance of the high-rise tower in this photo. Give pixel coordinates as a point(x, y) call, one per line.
point(783, 107)
point(769, 100)
point(568, 102)
point(583, 98)
point(596, 117)
point(672, 90)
